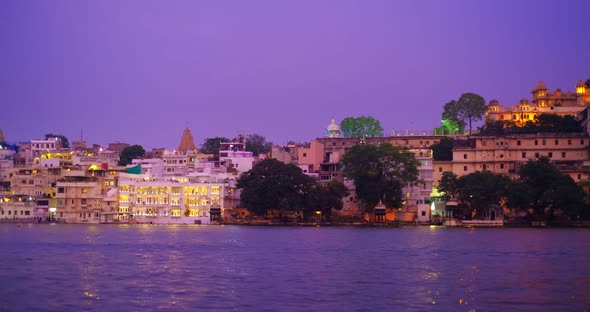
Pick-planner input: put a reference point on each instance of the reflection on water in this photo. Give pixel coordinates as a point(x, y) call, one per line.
point(147, 267)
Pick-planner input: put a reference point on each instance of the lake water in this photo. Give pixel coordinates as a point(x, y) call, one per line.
point(183, 268)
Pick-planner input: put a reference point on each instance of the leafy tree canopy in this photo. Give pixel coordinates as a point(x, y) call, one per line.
point(451, 123)
point(443, 150)
point(448, 185)
point(360, 127)
point(482, 190)
point(272, 184)
point(472, 107)
point(588, 83)
point(328, 197)
point(129, 153)
point(211, 145)
point(62, 138)
point(544, 189)
point(257, 144)
point(380, 172)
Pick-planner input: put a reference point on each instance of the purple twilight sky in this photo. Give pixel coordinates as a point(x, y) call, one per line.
point(141, 71)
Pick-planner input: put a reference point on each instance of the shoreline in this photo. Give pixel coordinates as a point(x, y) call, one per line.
point(262, 223)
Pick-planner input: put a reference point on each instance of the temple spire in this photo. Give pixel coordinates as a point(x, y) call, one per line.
point(187, 142)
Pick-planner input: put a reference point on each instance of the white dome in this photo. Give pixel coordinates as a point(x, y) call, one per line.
point(333, 126)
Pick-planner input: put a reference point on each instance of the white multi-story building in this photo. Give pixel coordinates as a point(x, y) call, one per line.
point(38, 147)
point(188, 200)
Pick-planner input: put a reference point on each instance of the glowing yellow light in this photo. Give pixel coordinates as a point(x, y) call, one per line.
point(318, 212)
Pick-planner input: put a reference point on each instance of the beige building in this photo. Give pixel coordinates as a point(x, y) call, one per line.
point(82, 199)
point(34, 181)
point(17, 207)
point(557, 102)
point(506, 154)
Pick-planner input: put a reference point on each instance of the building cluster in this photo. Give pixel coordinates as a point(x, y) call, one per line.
point(42, 180)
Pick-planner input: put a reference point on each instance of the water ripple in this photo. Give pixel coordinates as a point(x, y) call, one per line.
point(183, 268)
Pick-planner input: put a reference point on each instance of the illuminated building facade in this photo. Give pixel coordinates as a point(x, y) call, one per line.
point(189, 200)
point(557, 103)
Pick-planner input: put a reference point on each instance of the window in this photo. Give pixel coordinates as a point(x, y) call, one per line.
point(579, 178)
point(536, 155)
point(556, 142)
point(484, 166)
point(84, 190)
point(423, 213)
point(582, 142)
point(501, 155)
point(536, 142)
point(60, 190)
point(523, 154)
point(501, 166)
point(83, 201)
point(544, 142)
point(439, 169)
point(464, 156)
point(550, 155)
point(304, 154)
point(569, 141)
point(562, 154)
point(464, 168)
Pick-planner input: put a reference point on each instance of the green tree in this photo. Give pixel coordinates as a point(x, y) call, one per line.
point(448, 185)
point(481, 190)
point(257, 144)
point(129, 153)
point(272, 184)
point(327, 197)
point(545, 189)
point(62, 138)
point(361, 127)
point(443, 150)
point(588, 83)
point(211, 145)
point(450, 118)
point(471, 107)
point(380, 172)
